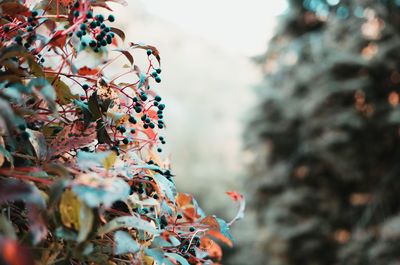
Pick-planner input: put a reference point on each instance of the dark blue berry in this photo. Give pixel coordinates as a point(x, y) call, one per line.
point(111, 18)
point(132, 119)
point(149, 52)
point(100, 18)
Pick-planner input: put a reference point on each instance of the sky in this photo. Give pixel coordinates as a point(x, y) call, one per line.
point(235, 25)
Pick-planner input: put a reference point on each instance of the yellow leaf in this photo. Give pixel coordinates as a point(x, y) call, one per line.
point(147, 260)
point(70, 210)
point(109, 161)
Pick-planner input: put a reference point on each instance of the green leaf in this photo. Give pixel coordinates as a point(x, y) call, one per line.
point(6, 228)
point(93, 104)
point(85, 109)
point(156, 254)
point(86, 218)
point(87, 160)
point(124, 243)
point(102, 190)
point(46, 89)
point(178, 258)
point(128, 222)
point(64, 95)
point(7, 155)
point(36, 69)
point(10, 118)
point(166, 186)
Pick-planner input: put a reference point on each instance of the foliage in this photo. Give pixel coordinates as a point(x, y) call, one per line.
point(80, 181)
point(325, 137)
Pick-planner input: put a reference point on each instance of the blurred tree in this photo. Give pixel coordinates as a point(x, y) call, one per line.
point(325, 137)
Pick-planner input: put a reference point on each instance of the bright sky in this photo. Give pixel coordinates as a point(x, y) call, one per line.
point(237, 25)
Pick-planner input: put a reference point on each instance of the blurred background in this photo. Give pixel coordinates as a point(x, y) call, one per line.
point(295, 104)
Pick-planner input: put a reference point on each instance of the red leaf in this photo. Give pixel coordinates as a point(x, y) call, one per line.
point(58, 39)
point(14, 8)
point(87, 71)
point(235, 196)
point(14, 254)
point(72, 137)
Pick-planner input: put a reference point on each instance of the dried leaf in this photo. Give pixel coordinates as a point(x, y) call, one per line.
point(72, 137)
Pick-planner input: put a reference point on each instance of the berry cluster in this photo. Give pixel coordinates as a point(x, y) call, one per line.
point(99, 34)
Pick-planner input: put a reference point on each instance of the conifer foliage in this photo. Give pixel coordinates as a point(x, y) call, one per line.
point(326, 136)
point(81, 177)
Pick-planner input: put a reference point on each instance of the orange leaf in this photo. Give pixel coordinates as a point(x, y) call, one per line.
point(221, 237)
point(213, 249)
point(87, 71)
point(191, 214)
point(211, 222)
point(183, 199)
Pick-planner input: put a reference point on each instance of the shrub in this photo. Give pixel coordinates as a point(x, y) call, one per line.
point(80, 181)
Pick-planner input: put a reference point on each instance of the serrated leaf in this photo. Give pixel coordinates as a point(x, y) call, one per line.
point(177, 257)
point(124, 243)
point(95, 190)
point(128, 222)
point(166, 186)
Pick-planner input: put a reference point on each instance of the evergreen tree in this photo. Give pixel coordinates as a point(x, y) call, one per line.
point(324, 179)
